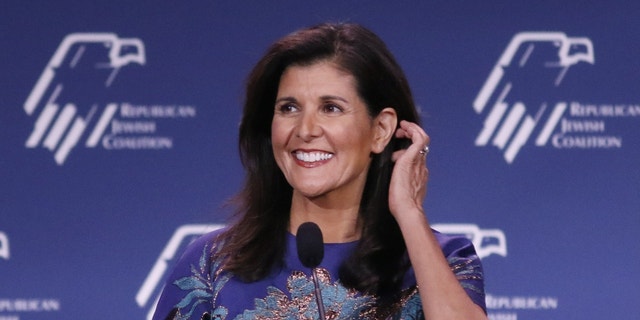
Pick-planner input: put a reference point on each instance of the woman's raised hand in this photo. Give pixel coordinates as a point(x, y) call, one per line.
point(408, 185)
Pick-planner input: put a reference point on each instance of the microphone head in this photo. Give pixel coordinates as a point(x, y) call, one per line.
point(310, 244)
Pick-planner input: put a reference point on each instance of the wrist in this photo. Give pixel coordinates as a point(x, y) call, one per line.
point(411, 217)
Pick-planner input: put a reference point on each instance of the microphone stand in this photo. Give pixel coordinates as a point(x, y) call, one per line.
point(316, 285)
point(310, 252)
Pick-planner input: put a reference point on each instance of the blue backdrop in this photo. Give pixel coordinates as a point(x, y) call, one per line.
point(119, 127)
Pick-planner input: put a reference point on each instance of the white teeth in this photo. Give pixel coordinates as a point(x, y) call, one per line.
point(313, 156)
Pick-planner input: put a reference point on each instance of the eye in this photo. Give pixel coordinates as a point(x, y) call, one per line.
point(331, 108)
point(286, 108)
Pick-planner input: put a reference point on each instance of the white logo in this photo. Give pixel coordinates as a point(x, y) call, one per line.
point(508, 121)
point(62, 130)
point(153, 283)
point(485, 241)
point(4, 246)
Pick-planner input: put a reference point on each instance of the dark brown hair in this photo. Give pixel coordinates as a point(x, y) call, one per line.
point(256, 242)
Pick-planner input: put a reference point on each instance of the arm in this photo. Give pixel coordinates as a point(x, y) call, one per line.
point(441, 294)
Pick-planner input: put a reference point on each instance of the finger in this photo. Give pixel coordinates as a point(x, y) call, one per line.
point(413, 131)
point(419, 138)
point(402, 134)
point(396, 155)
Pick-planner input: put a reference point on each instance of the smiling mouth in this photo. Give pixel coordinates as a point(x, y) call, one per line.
point(310, 157)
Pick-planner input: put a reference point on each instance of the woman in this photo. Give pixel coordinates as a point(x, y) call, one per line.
point(329, 134)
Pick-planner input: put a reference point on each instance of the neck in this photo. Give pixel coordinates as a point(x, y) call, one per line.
point(339, 223)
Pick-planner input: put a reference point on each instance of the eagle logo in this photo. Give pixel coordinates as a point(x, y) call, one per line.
point(485, 241)
point(530, 70)
point(63, 99)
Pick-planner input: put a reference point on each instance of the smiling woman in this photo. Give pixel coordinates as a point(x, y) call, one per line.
point(322, 138)
point(329, 135)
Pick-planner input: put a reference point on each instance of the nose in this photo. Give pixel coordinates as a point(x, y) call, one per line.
point(309, 126)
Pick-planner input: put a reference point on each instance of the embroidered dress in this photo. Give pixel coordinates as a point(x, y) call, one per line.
point(199, 289)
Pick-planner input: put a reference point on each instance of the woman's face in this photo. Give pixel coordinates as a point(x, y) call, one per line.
point(321, 133)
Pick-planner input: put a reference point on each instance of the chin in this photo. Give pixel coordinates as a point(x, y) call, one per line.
point(310, 191)
point(311, 194)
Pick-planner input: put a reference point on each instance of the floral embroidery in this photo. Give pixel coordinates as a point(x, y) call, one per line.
point(297, 301)
point(339, 302)
point(201, 288)
point(198, 285)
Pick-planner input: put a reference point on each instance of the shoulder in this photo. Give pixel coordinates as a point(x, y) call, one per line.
point(199, 250)
point(455, 245)
point(465, 264)
point(190, 282)
point(204, 243)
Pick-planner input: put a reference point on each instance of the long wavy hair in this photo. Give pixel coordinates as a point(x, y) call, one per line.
point(255, 243)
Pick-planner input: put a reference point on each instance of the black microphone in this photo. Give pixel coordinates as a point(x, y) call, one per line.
point(310, 244)
point(311, 252)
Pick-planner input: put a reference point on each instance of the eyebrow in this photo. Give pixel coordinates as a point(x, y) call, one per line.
point(323, 98)
point(286, 99)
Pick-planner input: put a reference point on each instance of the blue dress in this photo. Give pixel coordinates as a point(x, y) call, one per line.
point(199, 289)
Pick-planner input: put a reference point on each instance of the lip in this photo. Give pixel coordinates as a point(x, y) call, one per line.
point(320, 157)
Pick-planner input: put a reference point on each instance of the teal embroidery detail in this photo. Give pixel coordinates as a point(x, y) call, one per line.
point(297, 301)
point(199, 286)
point(339, 302)
point(412, 308)
point(465, 269)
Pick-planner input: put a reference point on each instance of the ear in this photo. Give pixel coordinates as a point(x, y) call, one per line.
point(384, 127)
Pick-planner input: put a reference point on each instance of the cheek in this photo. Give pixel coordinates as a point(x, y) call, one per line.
point(279, 137)
point(275, 132)
point(360, 136)
point(277, 149)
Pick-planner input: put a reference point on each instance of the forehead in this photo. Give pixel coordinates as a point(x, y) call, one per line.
point(321, 75)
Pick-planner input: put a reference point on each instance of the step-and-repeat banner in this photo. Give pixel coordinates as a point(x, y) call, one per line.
point(119, 127)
